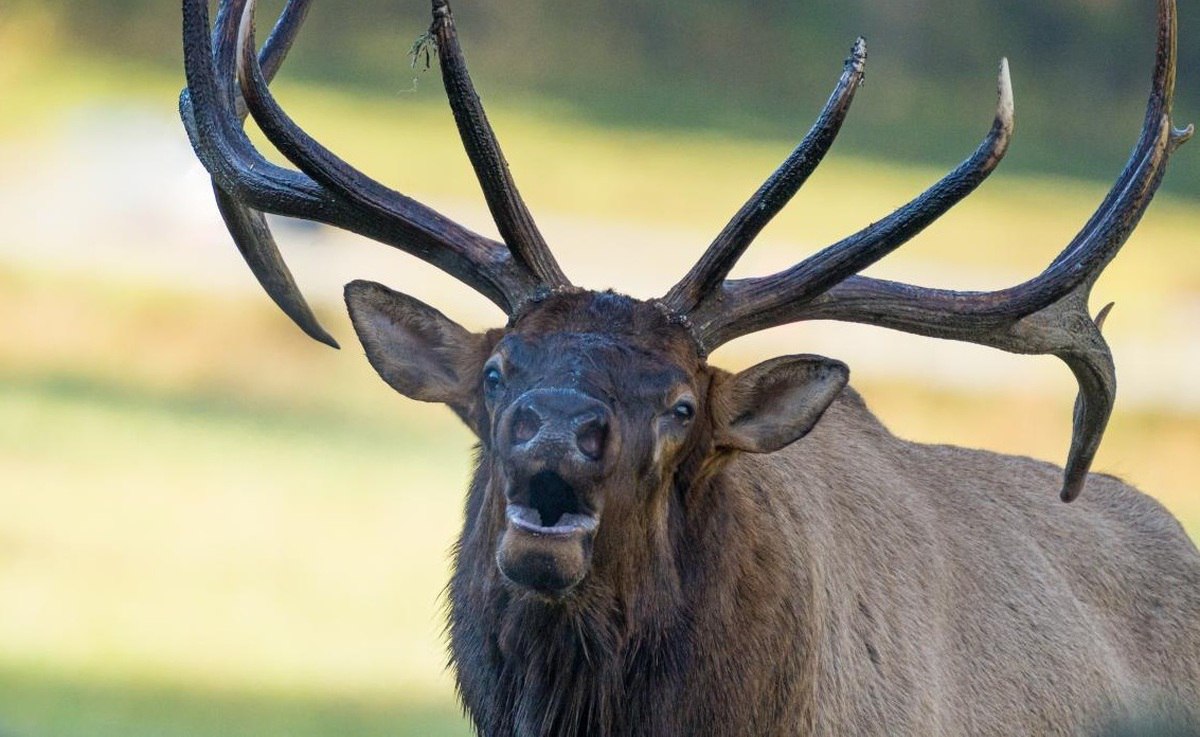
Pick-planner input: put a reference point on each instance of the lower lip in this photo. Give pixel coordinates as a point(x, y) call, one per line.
point(526, 519)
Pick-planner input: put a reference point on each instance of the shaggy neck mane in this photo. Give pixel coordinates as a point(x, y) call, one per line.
point(607, 658)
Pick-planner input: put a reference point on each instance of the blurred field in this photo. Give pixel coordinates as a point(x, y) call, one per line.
point(257, 546)
point(211, 525)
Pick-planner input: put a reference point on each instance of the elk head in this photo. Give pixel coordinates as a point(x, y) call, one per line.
point(591, 406)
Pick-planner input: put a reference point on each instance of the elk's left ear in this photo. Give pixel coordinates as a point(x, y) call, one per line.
point(771, 405)
point(419, 351)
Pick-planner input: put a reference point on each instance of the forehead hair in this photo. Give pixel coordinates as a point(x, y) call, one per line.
point(611, 317)
point(608, 340)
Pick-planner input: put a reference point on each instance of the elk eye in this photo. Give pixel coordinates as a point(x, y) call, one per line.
point(492, 378)
point(684, 411)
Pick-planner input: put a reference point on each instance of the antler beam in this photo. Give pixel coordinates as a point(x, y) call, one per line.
point(508, 209)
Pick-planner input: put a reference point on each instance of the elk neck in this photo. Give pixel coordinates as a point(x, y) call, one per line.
point(651, 621)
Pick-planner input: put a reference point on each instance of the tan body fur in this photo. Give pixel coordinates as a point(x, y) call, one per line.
point(947, 591)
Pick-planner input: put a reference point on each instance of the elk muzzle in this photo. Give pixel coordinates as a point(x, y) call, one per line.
point(558, 446)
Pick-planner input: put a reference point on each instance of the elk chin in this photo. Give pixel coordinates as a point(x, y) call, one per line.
point(547, 541)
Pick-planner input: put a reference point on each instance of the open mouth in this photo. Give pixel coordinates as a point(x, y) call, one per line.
point(549, 506)
point(547, 543)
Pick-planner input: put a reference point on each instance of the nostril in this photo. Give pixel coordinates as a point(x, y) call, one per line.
point(591, 437)
point(525, 425)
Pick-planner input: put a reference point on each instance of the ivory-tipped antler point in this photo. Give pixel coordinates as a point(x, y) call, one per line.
point(1005, 108)
point(245, 41)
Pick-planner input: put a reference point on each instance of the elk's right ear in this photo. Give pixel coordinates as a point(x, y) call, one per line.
point(419, 351)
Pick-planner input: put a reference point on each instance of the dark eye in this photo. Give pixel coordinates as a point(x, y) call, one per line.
point(492, 378)
point(684, 411)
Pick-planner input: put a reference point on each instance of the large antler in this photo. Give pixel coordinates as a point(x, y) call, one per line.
point(225, 78)
point(1045, 315)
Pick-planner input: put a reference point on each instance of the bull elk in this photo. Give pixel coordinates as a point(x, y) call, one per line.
point(655, 546)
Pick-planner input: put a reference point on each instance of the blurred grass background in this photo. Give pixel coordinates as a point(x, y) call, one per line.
point(211, 525)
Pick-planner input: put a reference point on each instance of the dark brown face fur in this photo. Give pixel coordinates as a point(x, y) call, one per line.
point(589, 403)
point(592, 409)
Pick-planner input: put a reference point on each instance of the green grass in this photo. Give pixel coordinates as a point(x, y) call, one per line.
point(39, 705)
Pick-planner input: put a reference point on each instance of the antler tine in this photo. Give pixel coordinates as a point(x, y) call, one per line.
point(1045, 315)
point(247, 226)
point(247, 182)
point(508, 209)
point(774, 194)
point(273, 54)
point(283, 35)
point(249, 229)
point(1158, 110)
point(719, 319)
